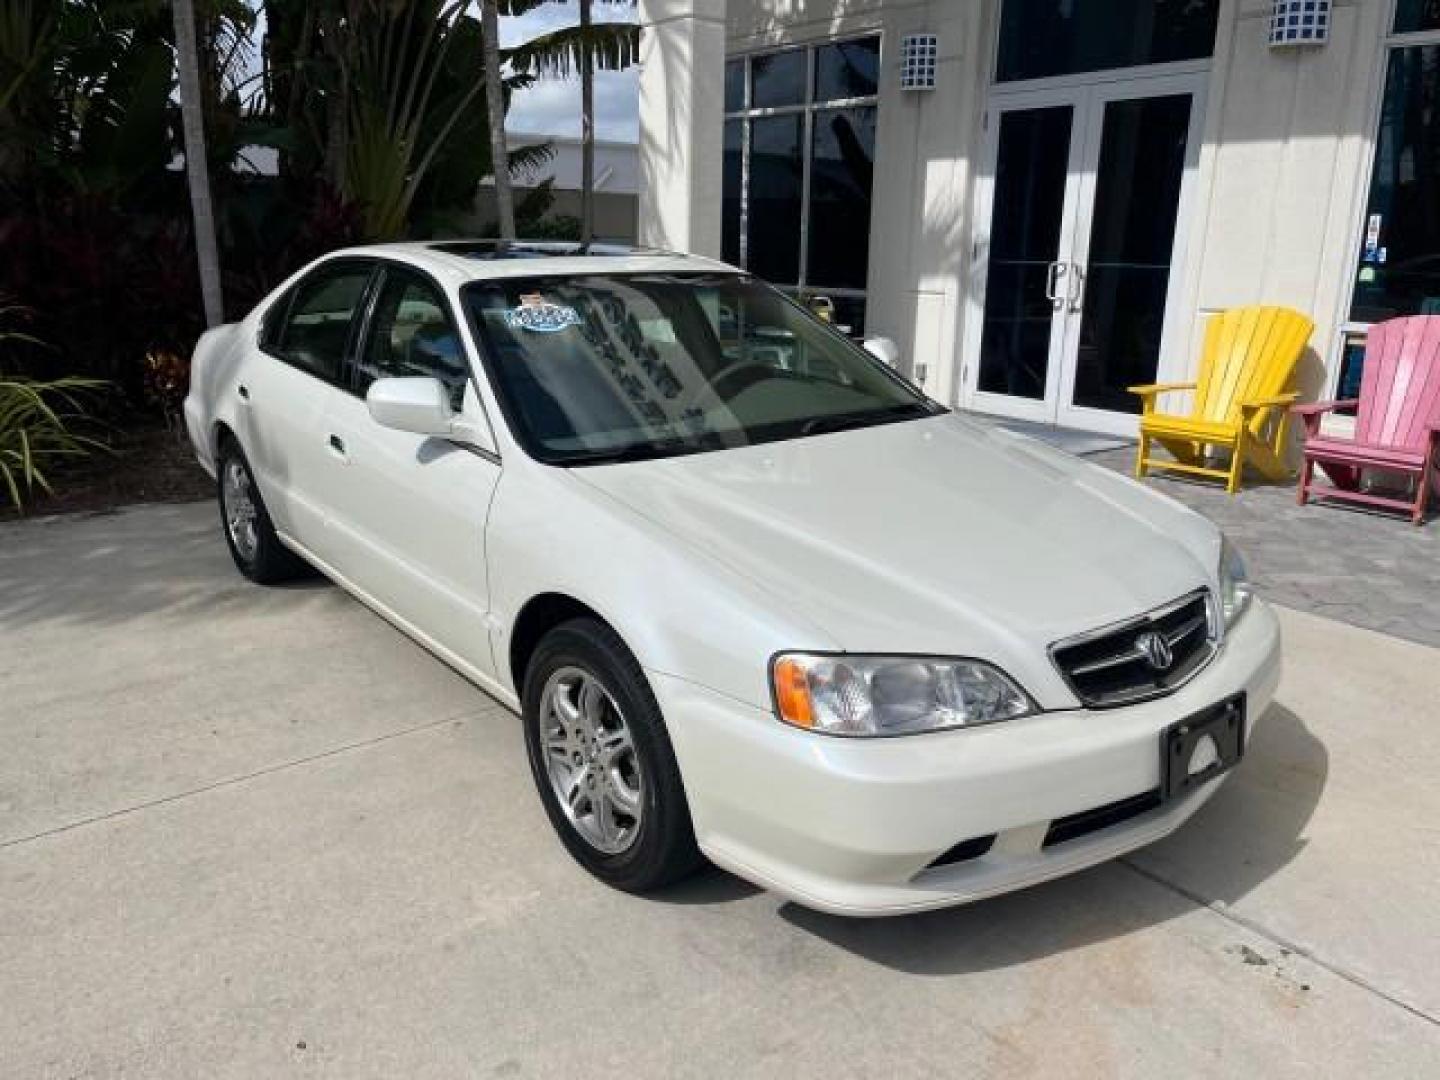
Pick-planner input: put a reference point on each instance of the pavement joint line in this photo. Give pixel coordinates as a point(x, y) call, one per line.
point(231, 781)
point(1231, 915)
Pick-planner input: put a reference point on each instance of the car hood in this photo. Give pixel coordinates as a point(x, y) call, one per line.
point(941, 536)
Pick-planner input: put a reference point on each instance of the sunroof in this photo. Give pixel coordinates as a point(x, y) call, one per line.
point(538, 249)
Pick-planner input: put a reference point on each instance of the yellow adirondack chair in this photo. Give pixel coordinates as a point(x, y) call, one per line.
point(1242, 398)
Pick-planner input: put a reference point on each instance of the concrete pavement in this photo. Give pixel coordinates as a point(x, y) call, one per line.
point(250, 832)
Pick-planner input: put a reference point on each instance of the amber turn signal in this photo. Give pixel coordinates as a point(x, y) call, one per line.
point(792, 692)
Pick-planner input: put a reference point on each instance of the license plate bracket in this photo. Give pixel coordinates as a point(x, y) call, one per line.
point(1186, 761)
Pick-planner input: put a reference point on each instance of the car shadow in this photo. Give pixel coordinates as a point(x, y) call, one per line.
point(1250, 830)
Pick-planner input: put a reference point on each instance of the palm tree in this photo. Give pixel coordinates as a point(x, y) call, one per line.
point(609, 46)
point(495, 101)
point(196, 169)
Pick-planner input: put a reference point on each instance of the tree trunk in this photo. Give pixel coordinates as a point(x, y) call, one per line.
point(196, 168)
point(495, 101)
point(587, 135)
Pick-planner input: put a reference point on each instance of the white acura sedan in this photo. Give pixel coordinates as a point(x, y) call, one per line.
point(752, 594)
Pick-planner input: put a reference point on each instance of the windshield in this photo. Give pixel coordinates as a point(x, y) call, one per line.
point(603, 368)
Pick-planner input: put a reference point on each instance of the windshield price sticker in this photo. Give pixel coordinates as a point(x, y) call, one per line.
point(538, 315)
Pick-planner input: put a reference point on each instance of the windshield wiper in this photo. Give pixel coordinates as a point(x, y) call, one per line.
point(820, 425)
point(637, 451)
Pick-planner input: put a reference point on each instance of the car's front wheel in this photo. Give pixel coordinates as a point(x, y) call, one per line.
point(602, 760)
point(249, 533)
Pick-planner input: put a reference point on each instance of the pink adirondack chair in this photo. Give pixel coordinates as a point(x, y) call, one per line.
point(1397, 421)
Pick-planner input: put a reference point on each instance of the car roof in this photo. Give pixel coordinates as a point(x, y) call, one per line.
point(459, 262)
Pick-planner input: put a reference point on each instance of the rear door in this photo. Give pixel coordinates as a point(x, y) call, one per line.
point(409, 510)
point(286, 391)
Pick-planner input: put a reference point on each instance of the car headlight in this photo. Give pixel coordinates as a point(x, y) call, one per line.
point(1235, 590)
point(891, 695)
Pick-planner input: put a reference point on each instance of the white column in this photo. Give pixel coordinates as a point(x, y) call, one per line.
point(682, 91)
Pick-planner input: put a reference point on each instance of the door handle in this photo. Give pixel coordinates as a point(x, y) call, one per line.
point(337, 447)
point(1052, 284)
point(1077, 288)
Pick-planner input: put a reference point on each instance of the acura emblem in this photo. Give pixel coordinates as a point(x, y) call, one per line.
point(1155, 649)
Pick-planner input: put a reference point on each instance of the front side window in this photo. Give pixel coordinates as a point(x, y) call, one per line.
point(799, 163)
point(606, 368)
point(411, 334)
point(316, 329)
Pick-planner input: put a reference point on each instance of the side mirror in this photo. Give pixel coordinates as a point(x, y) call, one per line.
point(884, 350)
point(417, 404)
point(420, 404)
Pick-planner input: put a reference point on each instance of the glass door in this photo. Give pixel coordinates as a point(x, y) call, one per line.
point(1078, 266)
point(1140, 155)
point(1030, 202)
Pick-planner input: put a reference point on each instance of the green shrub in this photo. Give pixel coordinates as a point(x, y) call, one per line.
point(37, 421)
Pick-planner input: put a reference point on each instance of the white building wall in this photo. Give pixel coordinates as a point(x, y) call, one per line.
point(1287, 140)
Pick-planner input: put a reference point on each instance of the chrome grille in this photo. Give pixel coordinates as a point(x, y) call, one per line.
point(1143, 657)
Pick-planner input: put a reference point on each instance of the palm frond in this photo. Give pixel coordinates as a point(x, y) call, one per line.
point(609, 46)
point(528, 160)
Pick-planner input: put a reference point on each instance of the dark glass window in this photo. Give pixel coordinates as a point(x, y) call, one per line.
point(847, 69)
point(410, 334)
point(1399, 271)
point(1411, 15)
point(1132, 232)
point(734, 85)
point(655, 365)
point(841, 172)
point(1039, 38)
point(766, 160)
point(733, 180)
point(777, 79)
point(776, 179)
point(1030, 174)
point(317, 326)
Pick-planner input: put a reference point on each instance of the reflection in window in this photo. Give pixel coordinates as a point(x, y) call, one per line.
point(1399, 271)
point(734, 85)
point(1040, 38)
point(410, 335)
point(777, 79)
point(317, 329)
point(1411, 15)
point(789, 137)
point(734, 172)
point(776, 174)
point(847, 69)
point(841, 171)
point(1132, 233)
point(1031, 166)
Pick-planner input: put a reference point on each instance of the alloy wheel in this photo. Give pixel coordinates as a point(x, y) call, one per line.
point(241, 516)
point(590, 760)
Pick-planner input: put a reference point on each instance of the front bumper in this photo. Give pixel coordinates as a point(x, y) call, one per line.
point(853, 826)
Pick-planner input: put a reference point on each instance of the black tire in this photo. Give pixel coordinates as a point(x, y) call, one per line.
point(271, 562)
point(663, 848)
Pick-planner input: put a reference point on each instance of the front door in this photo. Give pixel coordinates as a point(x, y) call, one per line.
point(409, 511)
point(1084, 195)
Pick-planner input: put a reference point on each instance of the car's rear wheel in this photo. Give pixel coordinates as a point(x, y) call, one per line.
point(249, 533)
point(602, 760)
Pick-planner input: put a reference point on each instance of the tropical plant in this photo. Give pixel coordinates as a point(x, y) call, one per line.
point(37, 421)
point(609, 46)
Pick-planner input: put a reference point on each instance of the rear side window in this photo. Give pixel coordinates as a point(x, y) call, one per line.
point(411, 334)
point(316, 328)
